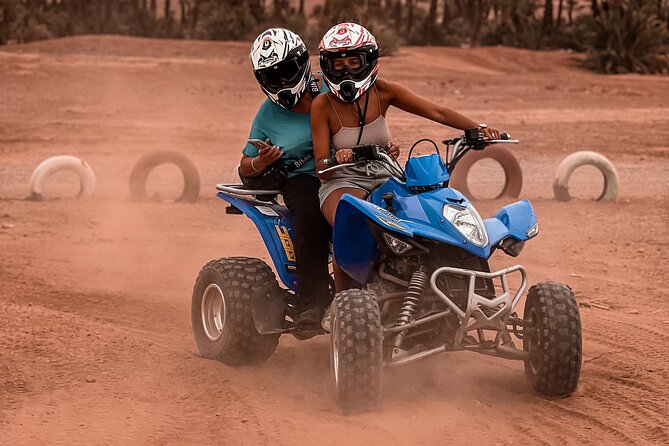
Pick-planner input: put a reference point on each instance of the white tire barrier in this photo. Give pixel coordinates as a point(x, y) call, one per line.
point(585, 158)
point(513, 175)
point(144, 166)
point(57, 164)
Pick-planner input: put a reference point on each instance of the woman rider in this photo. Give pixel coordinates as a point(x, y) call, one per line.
point(281, 66)
point(353, 112)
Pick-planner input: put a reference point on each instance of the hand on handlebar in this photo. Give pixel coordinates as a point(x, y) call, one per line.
point(490, 133)
point(393, 149)
point(344, 156)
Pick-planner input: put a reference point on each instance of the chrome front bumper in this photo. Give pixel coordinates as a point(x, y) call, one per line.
point(482, 313)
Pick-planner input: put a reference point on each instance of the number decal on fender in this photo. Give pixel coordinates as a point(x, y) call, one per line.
point(286, 242)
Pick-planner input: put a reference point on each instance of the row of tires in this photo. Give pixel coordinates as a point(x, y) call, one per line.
point(513, 176)
point(138, 176)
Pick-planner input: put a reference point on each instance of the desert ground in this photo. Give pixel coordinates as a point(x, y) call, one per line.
point(95, 334)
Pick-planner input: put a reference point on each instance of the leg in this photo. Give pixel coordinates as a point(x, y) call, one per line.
point(330, 205)
point(311, 237)
point(342, 280)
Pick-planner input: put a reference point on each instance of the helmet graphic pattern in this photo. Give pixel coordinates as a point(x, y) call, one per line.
point(272, 50)
point(273, 46)
point(346, 36)
point(345, 40)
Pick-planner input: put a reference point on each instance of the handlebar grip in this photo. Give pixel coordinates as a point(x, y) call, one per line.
point(332, 161)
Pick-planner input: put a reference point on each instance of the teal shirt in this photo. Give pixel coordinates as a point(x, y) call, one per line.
point(289, 130)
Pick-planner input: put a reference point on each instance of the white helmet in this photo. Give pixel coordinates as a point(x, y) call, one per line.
point(281, 64)
point(347, 40)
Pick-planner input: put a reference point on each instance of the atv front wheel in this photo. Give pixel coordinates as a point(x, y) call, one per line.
point(552, 337)
point(356, 350)
point(222, 315)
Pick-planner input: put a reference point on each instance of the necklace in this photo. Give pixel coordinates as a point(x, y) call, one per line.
point(359, 112)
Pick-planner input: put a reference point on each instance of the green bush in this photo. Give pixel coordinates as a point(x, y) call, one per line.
point(220, 21)
point(18, 25)
point(629, 38)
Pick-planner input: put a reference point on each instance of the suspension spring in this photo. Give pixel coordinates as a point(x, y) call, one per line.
point(417, 284)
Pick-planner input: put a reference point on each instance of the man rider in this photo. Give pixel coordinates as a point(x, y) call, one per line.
point(281, 65)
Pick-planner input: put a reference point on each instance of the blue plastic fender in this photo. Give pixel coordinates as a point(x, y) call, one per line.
point(519, 219)
point(355, 248)
point(275, 224)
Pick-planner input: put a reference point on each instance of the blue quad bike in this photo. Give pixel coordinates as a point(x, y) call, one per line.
point(419, 251)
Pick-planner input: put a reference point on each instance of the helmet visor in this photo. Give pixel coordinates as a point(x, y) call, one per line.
point(285, 74)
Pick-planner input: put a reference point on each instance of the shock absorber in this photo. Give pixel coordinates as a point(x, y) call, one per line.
point(417, 284)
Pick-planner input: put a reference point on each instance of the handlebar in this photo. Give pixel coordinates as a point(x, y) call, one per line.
point(473, 139)
point(361, 154)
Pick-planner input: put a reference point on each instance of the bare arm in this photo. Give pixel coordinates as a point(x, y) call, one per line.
point(251, 166)
point(320, 132)
point(405, 99)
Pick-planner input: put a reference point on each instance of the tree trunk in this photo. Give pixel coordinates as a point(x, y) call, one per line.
point(595, 8)
point(559, 14)
point(432, 15)
point(446, 14)
point(548, 14)
point(154, 8)
point(431, 21)
point(410, 16)
point(108, 16)
point(168, 10)
point(570, 11)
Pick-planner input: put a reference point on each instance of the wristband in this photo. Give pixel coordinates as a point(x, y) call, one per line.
point(252, 166)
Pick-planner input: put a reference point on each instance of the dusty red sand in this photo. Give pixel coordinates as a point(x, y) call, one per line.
point(95, 338)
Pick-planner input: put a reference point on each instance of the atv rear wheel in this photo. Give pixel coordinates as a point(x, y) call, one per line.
point(356, 350)
point(552, 337)
point(221, 311)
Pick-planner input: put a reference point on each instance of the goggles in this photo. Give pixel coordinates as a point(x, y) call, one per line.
point(349, 65)
point(285, 74)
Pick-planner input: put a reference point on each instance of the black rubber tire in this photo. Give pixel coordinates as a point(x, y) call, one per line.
point(513, 174)
point(144, 166)
point(357, 334)
point(237, 278)
point(553, 339)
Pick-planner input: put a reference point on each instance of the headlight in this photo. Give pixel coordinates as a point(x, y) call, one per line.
point(468, 222)
point(396, 245)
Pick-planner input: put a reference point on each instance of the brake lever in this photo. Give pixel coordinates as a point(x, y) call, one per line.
point(336, 167)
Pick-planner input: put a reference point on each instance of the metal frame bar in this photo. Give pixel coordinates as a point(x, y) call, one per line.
point(415, 323)
point(238, 189)
point(473, 317)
